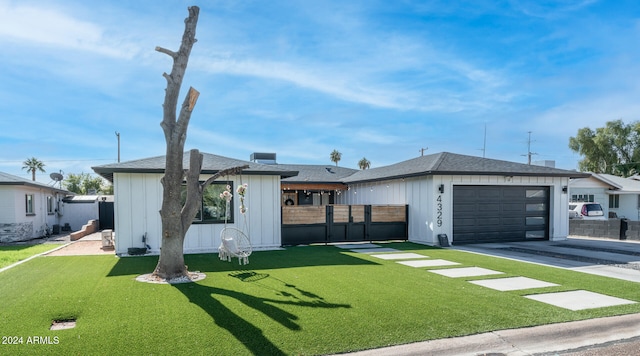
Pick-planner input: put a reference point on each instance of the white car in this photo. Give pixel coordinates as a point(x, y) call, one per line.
point(586, 211)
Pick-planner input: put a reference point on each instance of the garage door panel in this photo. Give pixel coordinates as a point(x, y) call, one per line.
point(519, 207)
point(464, 222)
point(500, 213)
point(463, 208)
point(514, 194)
point(489, 222)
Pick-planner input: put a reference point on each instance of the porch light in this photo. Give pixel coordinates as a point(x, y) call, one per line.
point(441, 188)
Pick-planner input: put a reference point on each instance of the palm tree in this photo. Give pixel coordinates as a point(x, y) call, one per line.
point(32, 165)
point(364, 163)
point(335, 156)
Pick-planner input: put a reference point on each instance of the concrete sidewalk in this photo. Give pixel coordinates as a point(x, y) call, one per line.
point(526, 341)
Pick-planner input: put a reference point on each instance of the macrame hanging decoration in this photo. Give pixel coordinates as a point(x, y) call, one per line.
point(234, 242)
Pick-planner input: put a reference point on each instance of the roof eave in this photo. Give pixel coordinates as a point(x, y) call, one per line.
point(506, 174)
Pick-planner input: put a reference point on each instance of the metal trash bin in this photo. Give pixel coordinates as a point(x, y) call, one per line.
point(624, 226)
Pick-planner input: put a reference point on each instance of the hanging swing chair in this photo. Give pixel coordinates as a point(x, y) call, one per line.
point(234, 242)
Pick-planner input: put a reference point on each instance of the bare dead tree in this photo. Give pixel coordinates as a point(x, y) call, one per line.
point(176, 217)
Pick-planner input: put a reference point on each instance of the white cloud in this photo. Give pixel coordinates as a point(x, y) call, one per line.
point(39, 26)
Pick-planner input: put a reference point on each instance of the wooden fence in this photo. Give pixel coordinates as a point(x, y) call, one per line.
point(341, 223)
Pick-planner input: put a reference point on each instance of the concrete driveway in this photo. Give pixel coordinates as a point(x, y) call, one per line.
point(610, 258)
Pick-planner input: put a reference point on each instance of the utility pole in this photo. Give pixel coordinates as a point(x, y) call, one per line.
point(529, 153)
point(118, 136)
point(484, 144)
point(422, 150)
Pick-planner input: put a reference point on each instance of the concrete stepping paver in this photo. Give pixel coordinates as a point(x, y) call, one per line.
point(356, 246)
point(465, 272)
point(376, 250)
point(513, 283)
point(428, 263)
point(579, 300)
point(399, 256)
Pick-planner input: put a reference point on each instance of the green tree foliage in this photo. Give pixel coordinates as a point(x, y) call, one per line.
point(613, 149)
point(32, 165)
point(364, 163)
point(83, 183)
point(335, 156)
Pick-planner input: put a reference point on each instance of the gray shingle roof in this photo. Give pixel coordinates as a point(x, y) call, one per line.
point(308, 173)
point(210, 164)
point(439, 163)
point(9, 179)
point(455, 164)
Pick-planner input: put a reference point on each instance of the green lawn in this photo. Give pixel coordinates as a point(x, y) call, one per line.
point(302, 300)
point(15, 253)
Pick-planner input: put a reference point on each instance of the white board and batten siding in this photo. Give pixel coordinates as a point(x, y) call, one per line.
point(139, 200)
point(431, 212)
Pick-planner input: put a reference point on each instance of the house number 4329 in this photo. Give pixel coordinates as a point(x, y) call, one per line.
point(439, 211)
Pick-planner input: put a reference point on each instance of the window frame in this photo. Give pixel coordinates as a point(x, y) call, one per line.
point(29, 204)
point(614, 201)
point(50, 205)
point(220, 185)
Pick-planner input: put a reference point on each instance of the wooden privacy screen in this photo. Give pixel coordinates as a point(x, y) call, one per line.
point(301, 215)
point(388, 213)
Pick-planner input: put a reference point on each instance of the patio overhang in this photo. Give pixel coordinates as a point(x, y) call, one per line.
point(313, 186)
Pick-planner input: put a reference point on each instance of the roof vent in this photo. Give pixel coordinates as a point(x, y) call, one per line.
point(329, 170)
point(264, 158)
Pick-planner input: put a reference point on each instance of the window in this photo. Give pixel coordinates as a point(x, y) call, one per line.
point(212, 207)
point(535, 220)
point(614, 201)
point(29, 204)
point(50, 205)
point(536, 207)
point(582, 198)
point(537, 193)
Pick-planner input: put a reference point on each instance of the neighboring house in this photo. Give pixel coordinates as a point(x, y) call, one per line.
point(138, 200)
point(80, 209)
point(28, 208)
point(468, 199)
point(619, 197)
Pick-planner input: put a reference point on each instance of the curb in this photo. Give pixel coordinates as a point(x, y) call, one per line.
point(525, 341)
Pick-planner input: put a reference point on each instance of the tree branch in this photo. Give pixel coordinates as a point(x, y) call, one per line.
point(225, 172)
point(170, 53)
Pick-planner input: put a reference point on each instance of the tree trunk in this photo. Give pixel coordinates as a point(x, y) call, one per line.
point(171, 262)
point(176, 217)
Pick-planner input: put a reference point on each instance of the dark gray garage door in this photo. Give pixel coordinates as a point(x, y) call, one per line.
point(500, 213)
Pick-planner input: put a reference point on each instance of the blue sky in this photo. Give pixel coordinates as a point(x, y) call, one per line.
point(374, 79)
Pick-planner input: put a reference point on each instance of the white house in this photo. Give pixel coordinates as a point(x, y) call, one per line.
point(469, 199)
point(138, 200)
point(619, 197)
point(28, 208)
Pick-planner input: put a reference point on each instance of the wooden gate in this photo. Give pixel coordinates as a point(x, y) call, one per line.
point(343, 223)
